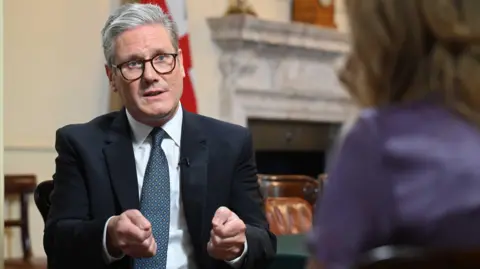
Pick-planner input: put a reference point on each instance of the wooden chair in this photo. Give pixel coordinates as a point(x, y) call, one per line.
point(22, 185)
point(401, 257)
point(288, 215)
point(42, 197)
point(322, 178)
point(304, 187)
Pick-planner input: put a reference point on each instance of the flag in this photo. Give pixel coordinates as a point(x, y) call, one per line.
point(178, 11)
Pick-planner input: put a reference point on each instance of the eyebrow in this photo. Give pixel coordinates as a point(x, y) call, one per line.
point(135, 57)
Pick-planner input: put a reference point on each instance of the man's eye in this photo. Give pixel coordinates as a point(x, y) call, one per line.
point(160, 58)
point(134, 64)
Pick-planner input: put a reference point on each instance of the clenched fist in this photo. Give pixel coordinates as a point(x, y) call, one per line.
point(131, 234)
point(227, 237)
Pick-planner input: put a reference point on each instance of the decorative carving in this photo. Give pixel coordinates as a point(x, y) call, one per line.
point(277, 70)
point(240, 7)
point(233, 66)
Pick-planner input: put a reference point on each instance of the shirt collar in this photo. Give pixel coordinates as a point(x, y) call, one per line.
point(173, 127)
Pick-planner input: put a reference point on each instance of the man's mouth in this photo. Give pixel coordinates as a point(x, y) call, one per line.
point(152, 93)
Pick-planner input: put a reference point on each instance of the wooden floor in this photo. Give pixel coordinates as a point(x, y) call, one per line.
point(35, 263)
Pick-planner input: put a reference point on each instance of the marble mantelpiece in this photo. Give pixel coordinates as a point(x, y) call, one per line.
point(282, 71)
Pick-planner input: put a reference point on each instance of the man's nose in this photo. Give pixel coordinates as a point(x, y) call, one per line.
point(149, 72)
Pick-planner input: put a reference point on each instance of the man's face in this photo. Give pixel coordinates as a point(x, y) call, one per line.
point(155, 95)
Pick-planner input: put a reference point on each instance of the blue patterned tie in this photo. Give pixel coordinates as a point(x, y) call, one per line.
point(155, 202)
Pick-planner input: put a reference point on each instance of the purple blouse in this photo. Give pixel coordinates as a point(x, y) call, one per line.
point(408, 174)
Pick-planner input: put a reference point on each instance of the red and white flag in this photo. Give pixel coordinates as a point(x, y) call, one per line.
point(178, 11)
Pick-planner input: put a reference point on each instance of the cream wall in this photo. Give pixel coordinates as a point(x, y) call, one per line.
point(55, 77)
point(1, 132)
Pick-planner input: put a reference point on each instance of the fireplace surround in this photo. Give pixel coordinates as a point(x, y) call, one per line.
point(279, 71)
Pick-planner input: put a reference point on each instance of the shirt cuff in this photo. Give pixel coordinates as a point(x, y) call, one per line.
point(236, 263)
point(106, 256)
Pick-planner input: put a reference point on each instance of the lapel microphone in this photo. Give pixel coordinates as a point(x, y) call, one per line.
point(184, 161)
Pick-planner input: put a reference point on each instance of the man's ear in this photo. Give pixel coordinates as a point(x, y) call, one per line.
point(111, 81)
point(180, 61)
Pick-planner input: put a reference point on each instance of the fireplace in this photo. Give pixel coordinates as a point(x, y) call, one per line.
point(285, 147)
point(279, 79)
point(290, 162)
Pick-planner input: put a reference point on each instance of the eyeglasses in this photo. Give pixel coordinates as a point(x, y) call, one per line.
point(162, 64)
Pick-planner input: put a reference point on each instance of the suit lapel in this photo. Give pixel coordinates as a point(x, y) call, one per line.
point(193, 174)
point(120, 160)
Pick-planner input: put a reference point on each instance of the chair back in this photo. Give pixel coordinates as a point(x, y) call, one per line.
point(42, 197)
point(301, 186)
point(21, 186)
point(399, 257)
point(288, 215)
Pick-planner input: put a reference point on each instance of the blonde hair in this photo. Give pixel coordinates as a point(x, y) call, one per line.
point(405, 49)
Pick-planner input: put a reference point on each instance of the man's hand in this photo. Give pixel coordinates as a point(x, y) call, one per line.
point(227, 238)
point(131, 234)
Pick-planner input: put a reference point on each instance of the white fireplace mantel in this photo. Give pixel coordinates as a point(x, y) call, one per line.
point(279, 71)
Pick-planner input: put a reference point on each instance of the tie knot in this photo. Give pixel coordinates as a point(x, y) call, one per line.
point(157, 134)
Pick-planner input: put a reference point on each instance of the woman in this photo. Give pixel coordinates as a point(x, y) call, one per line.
point(408, 169)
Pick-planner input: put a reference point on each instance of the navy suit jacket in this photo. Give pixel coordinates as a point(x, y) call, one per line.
point(95, 178)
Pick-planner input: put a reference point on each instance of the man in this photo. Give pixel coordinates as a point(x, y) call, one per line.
point(154, 186)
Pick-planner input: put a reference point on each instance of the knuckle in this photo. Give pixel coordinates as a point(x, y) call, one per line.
point(145, 236)
point(216, 240)
point(122, 244)
point(152, 249)
point(131, 211)
point(124, 216)
point(146, 243)
point(122, 228)
point(121, 231)
point(222, 232)
point(122, 224)
point(127, 215)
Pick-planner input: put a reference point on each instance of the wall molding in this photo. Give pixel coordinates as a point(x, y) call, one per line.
point(29, 148)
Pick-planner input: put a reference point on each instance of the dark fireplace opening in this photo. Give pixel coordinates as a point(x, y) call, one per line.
point(282, 162)
point(286, 147)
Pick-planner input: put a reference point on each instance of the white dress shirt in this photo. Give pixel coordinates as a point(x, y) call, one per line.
point(180, 251)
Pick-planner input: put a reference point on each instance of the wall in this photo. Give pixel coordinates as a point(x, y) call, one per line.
point(1, 133)
point(56, 77)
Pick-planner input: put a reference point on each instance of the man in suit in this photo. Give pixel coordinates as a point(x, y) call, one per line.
point(152, 185)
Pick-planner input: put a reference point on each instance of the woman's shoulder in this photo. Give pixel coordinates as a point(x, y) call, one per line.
point(415, 129)
point(411, 118)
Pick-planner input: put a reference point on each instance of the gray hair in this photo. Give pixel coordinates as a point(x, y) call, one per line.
point(129, 16)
